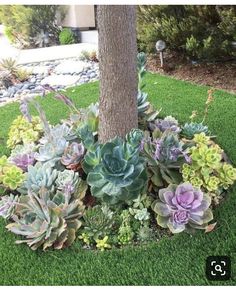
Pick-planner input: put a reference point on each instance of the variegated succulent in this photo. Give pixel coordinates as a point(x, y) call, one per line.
point(47, 220)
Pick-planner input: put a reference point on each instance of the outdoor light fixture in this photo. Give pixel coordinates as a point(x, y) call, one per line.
point(160, 47)
point(46, 39)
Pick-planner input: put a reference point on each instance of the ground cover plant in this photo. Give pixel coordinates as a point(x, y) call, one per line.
point(60, 182)
point(154, 276)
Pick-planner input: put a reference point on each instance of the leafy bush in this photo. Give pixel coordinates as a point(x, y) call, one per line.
point(200, 31)
point(25, 23)
point(66, 36)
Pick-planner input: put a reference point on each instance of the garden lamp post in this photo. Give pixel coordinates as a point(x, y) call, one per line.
point(160, 47)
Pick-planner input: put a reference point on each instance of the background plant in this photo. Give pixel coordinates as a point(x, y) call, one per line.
point(198, 31)
point(66, 36)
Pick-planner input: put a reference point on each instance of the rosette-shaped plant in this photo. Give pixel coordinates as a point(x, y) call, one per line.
point(134, 137)
point(227, 175)
point(120, 174)
point(23, 131)
point(204, 156)
point(7, 206)
point(92, 158)
point(182, 207)
point(51, 152)
point(67, 180)
point(212, 183)
point(73, 155)
point(98, 221)
point(201, 138)
point(190, 129)
point(40, 176)
point(12, 177)
point(168, 123)
point(47, 220)
point(165, 155)
point(23, 161)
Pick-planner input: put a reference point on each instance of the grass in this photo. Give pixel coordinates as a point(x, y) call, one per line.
point(176, 261)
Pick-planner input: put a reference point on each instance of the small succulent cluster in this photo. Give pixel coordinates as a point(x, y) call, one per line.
point(10, 175)
point(60, 182)
point(23, 131)
point(207, 169)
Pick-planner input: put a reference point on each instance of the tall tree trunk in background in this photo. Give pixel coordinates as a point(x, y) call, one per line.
point(118, 70)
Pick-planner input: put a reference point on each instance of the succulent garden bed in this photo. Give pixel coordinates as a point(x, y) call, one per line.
point(60, 183)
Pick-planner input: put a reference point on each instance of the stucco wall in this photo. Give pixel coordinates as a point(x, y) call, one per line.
point(81, 16)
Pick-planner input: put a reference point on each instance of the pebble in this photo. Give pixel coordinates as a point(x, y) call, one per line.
point(58, 73)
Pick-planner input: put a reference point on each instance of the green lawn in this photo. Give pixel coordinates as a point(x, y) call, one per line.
point(176, 261)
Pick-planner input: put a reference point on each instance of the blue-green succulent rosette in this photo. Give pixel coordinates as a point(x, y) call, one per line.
point(182, 207)
point(120, 174)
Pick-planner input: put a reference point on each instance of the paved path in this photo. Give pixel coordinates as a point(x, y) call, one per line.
point(25, 56)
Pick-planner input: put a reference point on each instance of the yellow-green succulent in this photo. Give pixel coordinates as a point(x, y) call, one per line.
point(12, 177)
point(201, 138)
point(204, 156)
point(212, 183)
point(227, 175)
point(23, 131)
point(85, 238)
point(102, 244)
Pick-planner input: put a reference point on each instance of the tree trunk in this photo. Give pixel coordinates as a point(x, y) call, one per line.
point(118, 71)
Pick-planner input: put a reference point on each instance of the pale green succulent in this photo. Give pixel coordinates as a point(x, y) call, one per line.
point(8, 205)
point(47, 220)
point(134, 137)
point(190, 129)
point(140, 214)
point(125, 232)
point(120, 174)
point(40, 176)
point(67, 179)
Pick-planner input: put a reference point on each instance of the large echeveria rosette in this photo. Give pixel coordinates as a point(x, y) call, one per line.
point(182, 207)
point(120, 174)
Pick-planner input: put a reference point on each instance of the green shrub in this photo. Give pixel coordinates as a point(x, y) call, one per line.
point(25, 23)
point(200, 31)
point(10, 35)
point(66, 36)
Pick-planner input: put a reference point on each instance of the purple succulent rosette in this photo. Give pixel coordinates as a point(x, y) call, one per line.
point(73, 154)
point(182, 206)
point(169, 123)
point(23, 161)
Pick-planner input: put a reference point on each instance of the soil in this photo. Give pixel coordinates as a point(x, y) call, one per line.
point(219, 75)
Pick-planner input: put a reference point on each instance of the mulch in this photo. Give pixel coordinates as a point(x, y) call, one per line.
point(219, 75)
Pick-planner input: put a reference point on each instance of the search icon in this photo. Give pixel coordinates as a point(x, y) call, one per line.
point(218, 268)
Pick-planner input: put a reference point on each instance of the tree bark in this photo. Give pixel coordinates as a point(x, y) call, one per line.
point(118, 71)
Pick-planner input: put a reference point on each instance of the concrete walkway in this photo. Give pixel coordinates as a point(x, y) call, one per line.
point(24, 56)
